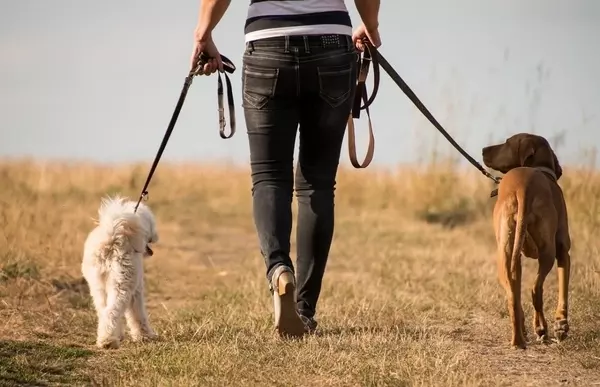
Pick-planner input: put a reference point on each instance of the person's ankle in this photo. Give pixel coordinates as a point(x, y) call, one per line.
point(309, 322)
point(276, 273)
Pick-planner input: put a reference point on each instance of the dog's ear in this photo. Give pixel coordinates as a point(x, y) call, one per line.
point(557, 168)
point(525, 151)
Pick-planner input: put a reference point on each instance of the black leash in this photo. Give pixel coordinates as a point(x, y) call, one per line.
point(371, 54)
point(228, 67)
point(412, 96)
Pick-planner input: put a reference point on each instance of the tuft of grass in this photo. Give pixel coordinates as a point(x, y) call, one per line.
point(15, 270)
point(41, 364)
point(410, 296)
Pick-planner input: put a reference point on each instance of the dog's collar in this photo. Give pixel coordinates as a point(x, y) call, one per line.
point(546, 170)
point(147, 251)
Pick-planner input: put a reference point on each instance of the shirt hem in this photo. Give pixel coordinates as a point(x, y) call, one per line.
point(320, 29)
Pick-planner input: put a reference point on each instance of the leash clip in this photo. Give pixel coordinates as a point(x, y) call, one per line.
point(143, 197)
point(222, 121)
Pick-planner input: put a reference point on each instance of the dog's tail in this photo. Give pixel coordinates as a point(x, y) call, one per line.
point(520, 231)
point(119, 223)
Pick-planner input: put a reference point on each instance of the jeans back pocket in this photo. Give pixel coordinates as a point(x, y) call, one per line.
point(259, 85)
point(335, 83)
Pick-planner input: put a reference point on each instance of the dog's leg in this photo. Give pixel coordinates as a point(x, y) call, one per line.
point(137, 318)
point(98, 294)
point(546, 262)
point(523, 327)
point(561, 324)
point(118, 295)
point(121, 330)
point(511, 282)
point(136, 315)
point(515, 309)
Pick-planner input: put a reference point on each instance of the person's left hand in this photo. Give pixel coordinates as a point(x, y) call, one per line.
point(209, 48)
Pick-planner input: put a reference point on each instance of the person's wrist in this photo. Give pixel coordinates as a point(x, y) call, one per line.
point(371, 25)
point(202, 36)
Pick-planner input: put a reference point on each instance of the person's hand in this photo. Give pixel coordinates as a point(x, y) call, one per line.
point(209, 49)
point(361, 32)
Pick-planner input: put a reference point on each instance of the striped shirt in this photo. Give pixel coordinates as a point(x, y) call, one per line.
point(269, 18)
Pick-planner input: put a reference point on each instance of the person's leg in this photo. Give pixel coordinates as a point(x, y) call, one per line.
point(271, 112)
point(326, 107)
point(271, 120)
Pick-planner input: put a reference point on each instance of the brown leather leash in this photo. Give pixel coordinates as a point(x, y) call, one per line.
point(228, 67)
point(372, 55)
point(362, 96)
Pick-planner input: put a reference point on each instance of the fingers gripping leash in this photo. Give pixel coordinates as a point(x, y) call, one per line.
point(228, 67)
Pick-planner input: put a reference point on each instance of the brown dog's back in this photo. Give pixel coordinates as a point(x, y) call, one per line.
point(530, 189)
point(527, 201)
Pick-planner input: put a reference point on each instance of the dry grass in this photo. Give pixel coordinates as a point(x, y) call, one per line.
point(410, 297)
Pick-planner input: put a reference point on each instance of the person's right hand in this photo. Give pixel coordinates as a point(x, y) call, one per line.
point(209, 48)
point(361, 32)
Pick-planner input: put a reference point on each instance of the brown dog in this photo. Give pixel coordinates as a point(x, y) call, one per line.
point(530, 216)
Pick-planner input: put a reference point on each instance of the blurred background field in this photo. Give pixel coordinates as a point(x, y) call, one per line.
point(410, 296)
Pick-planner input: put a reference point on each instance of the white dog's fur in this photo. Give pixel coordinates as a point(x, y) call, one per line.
point(113, 268)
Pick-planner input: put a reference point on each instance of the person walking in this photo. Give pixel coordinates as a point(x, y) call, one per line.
point(299, 75)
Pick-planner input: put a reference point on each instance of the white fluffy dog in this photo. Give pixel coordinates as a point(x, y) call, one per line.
point(112, 266)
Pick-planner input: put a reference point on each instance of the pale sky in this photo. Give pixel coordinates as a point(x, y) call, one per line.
point(98, 80)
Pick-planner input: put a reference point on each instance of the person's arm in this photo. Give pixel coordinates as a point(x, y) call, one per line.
point(211, 12)
point(369, 13)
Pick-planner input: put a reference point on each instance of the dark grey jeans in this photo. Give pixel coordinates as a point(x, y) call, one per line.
point(296, 84)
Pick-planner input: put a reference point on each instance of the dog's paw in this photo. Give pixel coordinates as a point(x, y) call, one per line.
point(151, 336)
point(518, 344)
point(541, 335)
point(145, 336)
point(121, 334)
point(108, 343)
point(561, 329)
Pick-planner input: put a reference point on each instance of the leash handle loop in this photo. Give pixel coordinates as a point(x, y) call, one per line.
point(228, 67)
point(367, 59)
point(230, 103)
point(352, 137)
point(364, 61)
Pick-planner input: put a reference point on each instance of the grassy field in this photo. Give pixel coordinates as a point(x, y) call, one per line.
point(411, 295)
